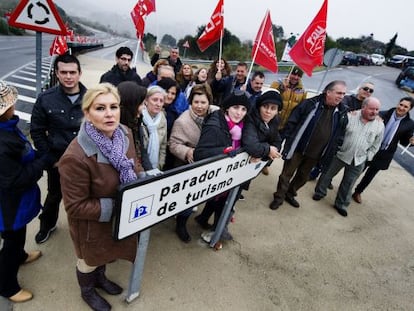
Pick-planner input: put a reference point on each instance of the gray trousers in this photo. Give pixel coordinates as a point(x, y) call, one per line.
point(351, 174)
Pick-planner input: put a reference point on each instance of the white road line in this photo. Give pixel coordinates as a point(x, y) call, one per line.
point(22, 86)
point(27, 99)
point(24, 78)
point(31, 73)
point(23, 115)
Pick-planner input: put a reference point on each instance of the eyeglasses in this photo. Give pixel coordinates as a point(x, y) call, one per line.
point(125, 59)
point(367, 89)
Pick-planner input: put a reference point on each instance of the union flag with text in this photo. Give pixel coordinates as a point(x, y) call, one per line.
point(264, 51)
point(214, 28)
point(308, 51)
point(142, 9)
point(59, 46)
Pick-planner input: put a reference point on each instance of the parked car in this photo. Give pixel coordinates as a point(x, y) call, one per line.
point(408, 62)
point(398, 61)
point(377, 59)
point(350, 58)
point(407, 73)
point(364, 59)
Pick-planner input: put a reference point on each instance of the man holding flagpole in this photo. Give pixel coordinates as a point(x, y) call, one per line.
point(292, 91)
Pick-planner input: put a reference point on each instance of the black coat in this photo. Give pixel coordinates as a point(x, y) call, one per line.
point(116, 76)
point(214, 137)
point(20, 170)
point(292, 133)
point(257, 137)
point(55, 120)
point(405, 131)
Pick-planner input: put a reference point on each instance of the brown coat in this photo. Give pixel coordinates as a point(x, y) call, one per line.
point(86, 176)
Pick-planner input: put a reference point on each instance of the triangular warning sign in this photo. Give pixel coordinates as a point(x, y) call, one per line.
point(39, 15)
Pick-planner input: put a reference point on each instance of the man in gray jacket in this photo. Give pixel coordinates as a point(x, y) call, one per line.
point(362, 140)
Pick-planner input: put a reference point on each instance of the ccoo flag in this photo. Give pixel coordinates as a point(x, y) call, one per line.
point(264, 51)
point(214, 28)
point(59, 46)
point(308, 51)
point(142, 9)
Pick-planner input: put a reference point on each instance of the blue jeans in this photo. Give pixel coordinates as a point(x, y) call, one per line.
point(351, 174)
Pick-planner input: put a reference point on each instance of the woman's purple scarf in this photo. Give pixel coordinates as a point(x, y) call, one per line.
point(114, 150)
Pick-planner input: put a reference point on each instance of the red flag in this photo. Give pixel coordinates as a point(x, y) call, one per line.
point(142, 9)
point(59, 46)
point(308, 51)
point(139, 23)
point(214, 28)
point(264, 51)
point(147, 6)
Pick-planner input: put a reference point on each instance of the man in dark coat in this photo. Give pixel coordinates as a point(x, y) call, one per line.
point(312, 134)
point(354, 101)
point(173, 59)
point(399, 128)
point(55, 122)
point(122, 71)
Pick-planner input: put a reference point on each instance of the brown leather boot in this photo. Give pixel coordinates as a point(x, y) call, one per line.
point(87, 283)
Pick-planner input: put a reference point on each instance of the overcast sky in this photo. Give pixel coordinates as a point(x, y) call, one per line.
point(350, 18)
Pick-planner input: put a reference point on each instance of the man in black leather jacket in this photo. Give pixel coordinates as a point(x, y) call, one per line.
point(55, 122)
point(312, 134)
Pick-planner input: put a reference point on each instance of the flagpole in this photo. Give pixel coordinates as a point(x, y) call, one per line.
point(137, 51)
point(221, 34)
point(221, 44)
point(257, 49)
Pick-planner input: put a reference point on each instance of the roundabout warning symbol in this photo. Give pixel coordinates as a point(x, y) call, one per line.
point(37, 15)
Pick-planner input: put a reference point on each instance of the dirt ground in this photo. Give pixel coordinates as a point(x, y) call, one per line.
point(309, 258)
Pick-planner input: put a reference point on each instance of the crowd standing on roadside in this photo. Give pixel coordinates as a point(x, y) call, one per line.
point(124, 128)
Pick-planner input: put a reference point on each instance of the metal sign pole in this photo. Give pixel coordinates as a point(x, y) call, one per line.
point(138, 268)
point(38, 62)
point(224, 218)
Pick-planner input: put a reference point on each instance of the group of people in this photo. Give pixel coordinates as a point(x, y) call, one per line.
point(90, 141)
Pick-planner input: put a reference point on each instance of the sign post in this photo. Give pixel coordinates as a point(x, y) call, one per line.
point(40, 16)
point(144, 203)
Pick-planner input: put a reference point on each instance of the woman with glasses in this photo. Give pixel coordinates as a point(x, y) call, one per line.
point(221, 133)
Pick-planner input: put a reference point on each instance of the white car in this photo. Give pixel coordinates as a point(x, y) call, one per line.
point(377, 59)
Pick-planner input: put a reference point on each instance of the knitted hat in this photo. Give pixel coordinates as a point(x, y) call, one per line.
point(8, 96)
point(297, 71)
point(270, 96)
point(238, 97)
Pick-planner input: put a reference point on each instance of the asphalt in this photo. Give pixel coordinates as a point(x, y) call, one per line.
point(290, 259)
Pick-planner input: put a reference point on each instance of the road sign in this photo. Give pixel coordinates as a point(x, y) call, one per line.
point(148, 202)
point(40, 15)
point(333, 57)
